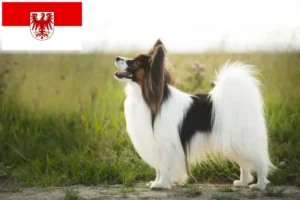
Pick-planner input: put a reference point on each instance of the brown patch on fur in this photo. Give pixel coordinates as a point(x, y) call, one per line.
point(168, 72)
point(153, 89)
point(140, 75)
point(152, 72)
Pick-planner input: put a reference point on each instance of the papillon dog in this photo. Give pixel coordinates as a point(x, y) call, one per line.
point(171, 129)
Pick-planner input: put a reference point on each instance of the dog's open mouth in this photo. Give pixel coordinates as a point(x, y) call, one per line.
point(123, 75)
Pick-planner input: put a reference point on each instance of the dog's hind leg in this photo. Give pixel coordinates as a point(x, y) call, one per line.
point(245, 178)
point(247, 163)
point(262, 171)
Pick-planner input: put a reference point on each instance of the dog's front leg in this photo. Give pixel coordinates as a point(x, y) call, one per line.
point(156, 178)
point(165, 172)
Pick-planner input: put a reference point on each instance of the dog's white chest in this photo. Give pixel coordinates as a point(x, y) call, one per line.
point(139, 127)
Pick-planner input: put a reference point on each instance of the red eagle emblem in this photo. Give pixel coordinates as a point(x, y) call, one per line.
point(42, 25)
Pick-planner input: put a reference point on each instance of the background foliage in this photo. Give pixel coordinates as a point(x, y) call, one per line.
point(62, 120)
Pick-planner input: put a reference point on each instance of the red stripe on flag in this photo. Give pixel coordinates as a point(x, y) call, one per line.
point(18, 13)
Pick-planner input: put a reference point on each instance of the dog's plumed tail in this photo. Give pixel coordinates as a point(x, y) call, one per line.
point(239, 127)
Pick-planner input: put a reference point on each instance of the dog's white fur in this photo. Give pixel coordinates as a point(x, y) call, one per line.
point(239, 129)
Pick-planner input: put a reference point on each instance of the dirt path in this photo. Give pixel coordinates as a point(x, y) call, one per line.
point(139, 191)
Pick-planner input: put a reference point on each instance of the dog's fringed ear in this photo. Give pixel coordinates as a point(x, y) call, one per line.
point(155, 80)
point(156, 44)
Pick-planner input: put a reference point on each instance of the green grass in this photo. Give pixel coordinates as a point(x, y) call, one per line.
point(225, 189)
point(71, 194)
point(224, 197)
point(62, 120)
point(190, 192)
point(272, 192)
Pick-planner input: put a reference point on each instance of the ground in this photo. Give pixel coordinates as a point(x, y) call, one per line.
point(140, 191)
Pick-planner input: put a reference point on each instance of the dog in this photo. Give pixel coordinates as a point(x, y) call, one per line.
point(171, 129)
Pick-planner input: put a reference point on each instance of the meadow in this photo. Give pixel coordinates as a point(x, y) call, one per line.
point(62, 120)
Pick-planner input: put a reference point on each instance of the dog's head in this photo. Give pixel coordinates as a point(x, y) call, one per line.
point(149, 71)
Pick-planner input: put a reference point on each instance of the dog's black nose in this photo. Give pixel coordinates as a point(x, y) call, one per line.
point(118, 58)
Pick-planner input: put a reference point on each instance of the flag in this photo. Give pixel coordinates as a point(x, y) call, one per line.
point(41, 26)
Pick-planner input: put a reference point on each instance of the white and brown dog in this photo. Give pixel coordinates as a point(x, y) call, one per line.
point(171, 129)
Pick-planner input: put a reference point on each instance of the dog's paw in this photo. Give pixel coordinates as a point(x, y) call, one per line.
point(150, 183)
point(159, 186)
point(239, 183)
point(257, 187)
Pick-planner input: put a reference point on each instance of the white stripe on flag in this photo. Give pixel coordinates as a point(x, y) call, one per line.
point(63, 38)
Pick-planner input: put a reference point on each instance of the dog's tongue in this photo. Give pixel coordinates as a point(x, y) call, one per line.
point(118, 74)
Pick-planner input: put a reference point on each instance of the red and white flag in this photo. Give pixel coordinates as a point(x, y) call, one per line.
point(41, 25)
